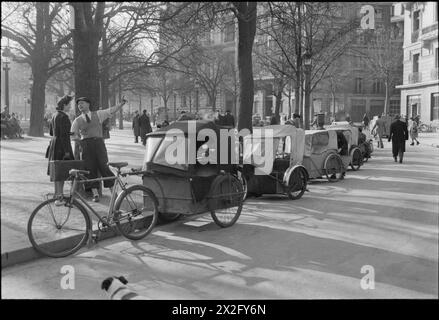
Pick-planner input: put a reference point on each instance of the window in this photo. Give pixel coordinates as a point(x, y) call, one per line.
point(416, 20)
point(358, 85)
point(392, 10)
point(395, 107)
point(416, 62)
point(413, 105)
point(379, 13)
point(378, 86)
point(229, 32)
point(436, 57)
point(434, 115)
point(435, 13)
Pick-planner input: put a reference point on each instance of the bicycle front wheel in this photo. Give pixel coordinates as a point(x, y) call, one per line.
point(58, 230)
point(136, 212)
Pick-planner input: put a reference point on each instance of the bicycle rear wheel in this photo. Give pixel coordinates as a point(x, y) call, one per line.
point(136, 212)
point(58, 231)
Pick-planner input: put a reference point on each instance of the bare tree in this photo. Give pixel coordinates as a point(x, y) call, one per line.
point(38, 31)
point(316, 31)
point(383, 56)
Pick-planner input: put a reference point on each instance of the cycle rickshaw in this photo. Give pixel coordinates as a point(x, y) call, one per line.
point(174, 171)
point(351, 133)
point(283, 172)
point(321, 155)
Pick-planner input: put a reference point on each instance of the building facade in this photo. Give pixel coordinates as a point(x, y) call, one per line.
point(420, 85)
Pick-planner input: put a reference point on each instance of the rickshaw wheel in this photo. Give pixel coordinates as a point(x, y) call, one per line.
point(226, 199)
point(333, 168)
point(356, 159)
point(371, 146)
point(297, 184)
point(244, 183)
point(168, 217)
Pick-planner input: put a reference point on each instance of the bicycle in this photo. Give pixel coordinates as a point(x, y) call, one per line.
point(134, 212)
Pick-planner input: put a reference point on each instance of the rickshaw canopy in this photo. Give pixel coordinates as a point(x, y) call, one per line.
point(350, 132)
point(287, 140)
point(319, 141)
point(176, 137)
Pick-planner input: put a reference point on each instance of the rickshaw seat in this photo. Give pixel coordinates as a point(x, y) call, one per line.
point(281, 165)
point(118, 165)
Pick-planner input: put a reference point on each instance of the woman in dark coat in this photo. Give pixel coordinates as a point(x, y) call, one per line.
point(398, 134)
point(60, 147)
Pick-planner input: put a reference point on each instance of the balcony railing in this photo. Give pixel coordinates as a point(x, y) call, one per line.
point(434, 74)
point(415, 77)
point(429, 28)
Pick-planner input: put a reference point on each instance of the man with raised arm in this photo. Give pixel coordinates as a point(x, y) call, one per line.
point(87, 131)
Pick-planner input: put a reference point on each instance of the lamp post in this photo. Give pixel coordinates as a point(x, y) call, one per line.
point(308, 63)
point(6, 55)
point(31, 83)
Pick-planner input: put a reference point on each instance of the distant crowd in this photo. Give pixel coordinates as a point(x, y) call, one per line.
point(10, 126)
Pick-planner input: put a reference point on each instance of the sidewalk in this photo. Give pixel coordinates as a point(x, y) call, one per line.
point(24, 183)
point(429, 138)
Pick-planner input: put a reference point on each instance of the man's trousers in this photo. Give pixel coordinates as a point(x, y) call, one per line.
point(94, 154)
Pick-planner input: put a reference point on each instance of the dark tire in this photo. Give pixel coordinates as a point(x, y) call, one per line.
point(244, 183)
point(225, 200)
point(168, 217)
point(58, 231)
point(356, 159)
point(333, 168)
point(297, 184)
point(136, 212)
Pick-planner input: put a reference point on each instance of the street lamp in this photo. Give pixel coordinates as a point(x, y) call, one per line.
point(308, 63)
point(31, 83)
point(6, 55)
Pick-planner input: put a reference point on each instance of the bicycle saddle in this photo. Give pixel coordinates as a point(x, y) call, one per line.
point(118, 165)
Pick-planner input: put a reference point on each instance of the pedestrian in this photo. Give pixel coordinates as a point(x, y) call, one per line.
point(414, 130)
point(60, 147)
point(366, 121)
point(136, 126)
point(398, 135)
point(228, 119)
point(363, 144)
point(87, 131)
point(380, 126)
point(145, 126)
point(15, 126)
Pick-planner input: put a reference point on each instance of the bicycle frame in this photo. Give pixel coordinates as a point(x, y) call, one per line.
point(74, 194)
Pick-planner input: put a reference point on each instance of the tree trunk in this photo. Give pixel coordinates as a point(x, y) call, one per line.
point(307, 100)
point(104, 77)
point(246, 36)
point(85, 54)
point(38, 103)
point(40, 65)
point(277, 106)
point(387, 98)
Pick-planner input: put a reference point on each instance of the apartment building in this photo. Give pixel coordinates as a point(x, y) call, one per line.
point(420, 85)
point(356, 91)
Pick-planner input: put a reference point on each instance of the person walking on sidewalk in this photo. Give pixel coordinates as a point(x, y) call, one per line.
point(87, 131)
point(136, 126)
point(414, 130)
point(366, 121)
point(380, 126)
point(60, 147)
point(398, 135)
point(145, 126)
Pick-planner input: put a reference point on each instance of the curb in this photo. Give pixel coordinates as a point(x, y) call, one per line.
point(29, 253)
